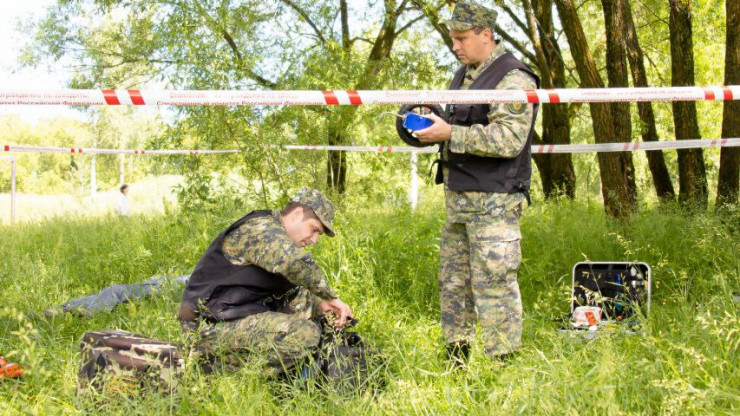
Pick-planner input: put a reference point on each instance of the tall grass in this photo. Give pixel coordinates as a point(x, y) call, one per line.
point(384, 264)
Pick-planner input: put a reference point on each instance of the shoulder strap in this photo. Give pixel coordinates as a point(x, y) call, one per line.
point(498, 70)
point(458, 78)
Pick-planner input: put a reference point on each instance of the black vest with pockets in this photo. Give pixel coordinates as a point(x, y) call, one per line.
point(221, 291)
point(469, 172)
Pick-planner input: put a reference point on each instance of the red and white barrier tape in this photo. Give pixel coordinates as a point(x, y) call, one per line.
point(42, 149)
point(550, 148)
point(341, 97)
point(536, 149)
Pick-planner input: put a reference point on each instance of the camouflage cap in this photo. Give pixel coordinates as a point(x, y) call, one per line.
point(469, 15)
point(320, 205)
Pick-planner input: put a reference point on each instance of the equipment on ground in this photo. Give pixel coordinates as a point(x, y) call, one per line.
point(122, 362)
point(608, 295)
point(343, 363)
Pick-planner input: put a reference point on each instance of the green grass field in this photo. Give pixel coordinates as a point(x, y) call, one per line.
point(146, 197)
point(384, 264)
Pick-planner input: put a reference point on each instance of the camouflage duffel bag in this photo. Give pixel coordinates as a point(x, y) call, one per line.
point(119, 361)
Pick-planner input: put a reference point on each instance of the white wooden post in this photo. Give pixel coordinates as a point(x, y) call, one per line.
point(93, 183)
point(96, 133)
point(121, 176)
point(414, 185)
point(11, 159)
point(12, 190)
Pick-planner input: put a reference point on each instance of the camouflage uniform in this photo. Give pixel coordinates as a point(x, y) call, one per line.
point(285, 336)
point(479, 247)
point(281, 338)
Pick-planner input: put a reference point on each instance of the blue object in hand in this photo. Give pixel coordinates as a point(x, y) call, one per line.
point(415, 122)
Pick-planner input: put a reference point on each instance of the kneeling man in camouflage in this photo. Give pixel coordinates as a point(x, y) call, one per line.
point(256, 291)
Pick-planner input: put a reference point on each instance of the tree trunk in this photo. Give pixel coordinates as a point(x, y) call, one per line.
point(729, 159)
point(617, 73)
point(656, 161)
point(336, 163)
point(692, 177)
point(556, 170)
point(544, 167)
point(616, 170)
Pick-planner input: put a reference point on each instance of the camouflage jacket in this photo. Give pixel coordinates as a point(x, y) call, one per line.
point(262, 241)
point(504, 136)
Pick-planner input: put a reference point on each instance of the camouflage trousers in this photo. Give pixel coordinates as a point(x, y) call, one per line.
point(281, 339)
point(478, 280)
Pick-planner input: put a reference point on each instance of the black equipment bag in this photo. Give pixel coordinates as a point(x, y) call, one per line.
point(620, 289)
point(344, 363)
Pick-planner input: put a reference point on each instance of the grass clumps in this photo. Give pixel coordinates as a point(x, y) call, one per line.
point(384, 264)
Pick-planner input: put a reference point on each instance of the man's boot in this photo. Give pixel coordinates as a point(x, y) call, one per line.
point(458, 353)
point(505, 358)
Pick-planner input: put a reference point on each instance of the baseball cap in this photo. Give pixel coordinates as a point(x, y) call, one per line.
point(467, 15)
point(321, 206)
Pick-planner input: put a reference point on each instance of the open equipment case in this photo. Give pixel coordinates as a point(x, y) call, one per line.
point(608, 296)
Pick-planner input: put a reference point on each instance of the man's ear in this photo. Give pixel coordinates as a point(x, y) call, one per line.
point(489, 35)
point(297, 214)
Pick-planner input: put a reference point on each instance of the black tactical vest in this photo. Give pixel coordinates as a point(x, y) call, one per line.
point(469, 172)
point(221, 291)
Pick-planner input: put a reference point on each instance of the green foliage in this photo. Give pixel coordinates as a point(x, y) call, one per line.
point(46, 173)
point(383, 262)
point(239, 45)
point(255, 45)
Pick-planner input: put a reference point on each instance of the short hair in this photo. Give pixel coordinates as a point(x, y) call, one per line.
point(124, 187)
point(308, 212)
point(477, 31)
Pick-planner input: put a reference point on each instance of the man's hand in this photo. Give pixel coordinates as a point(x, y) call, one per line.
point(340, 309)
point(440, 131)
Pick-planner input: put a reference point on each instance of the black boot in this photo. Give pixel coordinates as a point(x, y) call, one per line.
point(504, 358)
point(458, 353)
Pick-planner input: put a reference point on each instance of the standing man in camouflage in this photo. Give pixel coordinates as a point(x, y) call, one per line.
point(256, 290)
point(485, 165)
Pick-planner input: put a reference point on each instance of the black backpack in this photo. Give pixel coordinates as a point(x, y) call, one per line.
point(343, 363)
